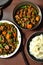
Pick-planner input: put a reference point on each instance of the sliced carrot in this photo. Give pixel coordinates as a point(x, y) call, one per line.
point(4, 32)
point(7, 36)
point(29, 26)
point(14, 35)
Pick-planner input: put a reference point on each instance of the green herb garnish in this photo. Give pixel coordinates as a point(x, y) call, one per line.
point(0, 38)
point(24, 6)
point(1, 46)
point(0, 24)
point(9, 32)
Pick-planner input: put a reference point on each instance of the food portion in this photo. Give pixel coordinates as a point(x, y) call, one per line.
point(27, 16)
point(8, 38)
point(36, 46)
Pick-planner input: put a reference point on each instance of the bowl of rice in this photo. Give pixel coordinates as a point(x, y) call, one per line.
point(35, 46)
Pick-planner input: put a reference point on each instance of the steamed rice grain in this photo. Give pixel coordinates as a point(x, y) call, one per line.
point(36, 46)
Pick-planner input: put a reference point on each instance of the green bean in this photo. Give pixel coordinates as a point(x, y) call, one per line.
point(35, 12)
point(24, 6)
point(0, 23)
point(1, 46)
point(22, 24)
point(27, 16)
point(4, 44)
point(0, 38)
point(9, 32)
point(14, 30)
point(17, 42)
point(11, 40)
point(27, 22)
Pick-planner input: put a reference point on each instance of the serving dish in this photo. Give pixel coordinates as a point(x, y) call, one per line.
point(18, 37)
point(3, 4)
point(38, 33)
point(22, 23)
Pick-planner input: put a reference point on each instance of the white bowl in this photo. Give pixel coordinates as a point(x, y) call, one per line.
point(19, 39)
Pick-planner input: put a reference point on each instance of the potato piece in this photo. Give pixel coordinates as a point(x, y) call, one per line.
point(7, 47)
point(29, 11)
point(24, 13)
point(1, 27)
point(17, 17)
point(37, 18)
point(25, 19)
point(33, 21)
point(21, 12)
point(20, 15)
point(22, 24)
point(19, 22)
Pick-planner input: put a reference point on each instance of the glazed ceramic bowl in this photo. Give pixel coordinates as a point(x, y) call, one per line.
point(28, 48)
point(27, 3)
point(18, 36)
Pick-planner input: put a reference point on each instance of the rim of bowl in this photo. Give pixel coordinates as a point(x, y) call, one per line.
point(19, 39)
point(26, 3)
point(27, 46)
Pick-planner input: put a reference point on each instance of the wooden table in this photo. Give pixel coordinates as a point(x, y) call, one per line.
point(21, 57)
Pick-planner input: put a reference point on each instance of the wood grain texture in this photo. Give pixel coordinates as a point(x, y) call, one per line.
point(21, 57)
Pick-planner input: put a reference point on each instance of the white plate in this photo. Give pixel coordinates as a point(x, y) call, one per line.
point(19, 39)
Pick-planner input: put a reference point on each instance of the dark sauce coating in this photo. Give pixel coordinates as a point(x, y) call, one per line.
point(8, 38)
point(27, 16)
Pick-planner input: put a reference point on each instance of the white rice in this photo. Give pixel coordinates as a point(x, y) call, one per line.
point(36, 47)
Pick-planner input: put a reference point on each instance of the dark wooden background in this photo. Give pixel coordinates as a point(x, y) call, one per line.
point(21, 57)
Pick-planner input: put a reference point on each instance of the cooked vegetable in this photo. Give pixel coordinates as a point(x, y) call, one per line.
point(0, 51)
point(1, 28)
point(8, 38)
point(1, 38)
point(29, 26)
point(14, 35)
point(9, 32)
point(27, 13)
point(4, 44)
point(37, 18)
point(1, 46)
point(4, 32)
point(7, 47)
point(24, 6)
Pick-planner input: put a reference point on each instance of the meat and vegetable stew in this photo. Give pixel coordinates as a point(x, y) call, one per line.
point(8, 38)
point(27, 16)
